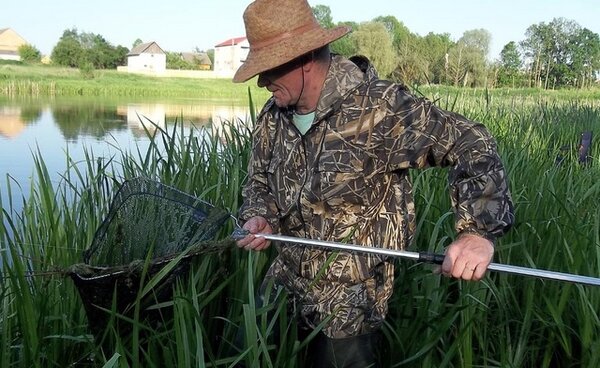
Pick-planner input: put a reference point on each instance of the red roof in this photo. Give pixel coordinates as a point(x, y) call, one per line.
point(231, 41)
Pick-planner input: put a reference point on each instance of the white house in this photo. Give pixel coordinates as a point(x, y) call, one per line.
point(147, 57)
point(10, 41)
point(230, 55)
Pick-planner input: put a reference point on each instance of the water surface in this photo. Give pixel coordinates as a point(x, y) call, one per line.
point(103, 126)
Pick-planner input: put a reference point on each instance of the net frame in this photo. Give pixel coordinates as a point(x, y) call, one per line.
point(107, 287)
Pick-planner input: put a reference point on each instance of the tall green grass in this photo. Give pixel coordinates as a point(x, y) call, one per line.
point(503, 321)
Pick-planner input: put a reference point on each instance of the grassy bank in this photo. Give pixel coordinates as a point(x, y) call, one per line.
point(504, 321)
point(40, 80)
point(18, 79)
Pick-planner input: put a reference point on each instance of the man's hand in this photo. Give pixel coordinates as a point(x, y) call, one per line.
point(255, 225)
point(468, 257)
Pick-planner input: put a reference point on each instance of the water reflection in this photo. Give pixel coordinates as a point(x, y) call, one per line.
point(90, 121)
point(143, 117)
point(101, 126)
point(14, 119)
point(99, 119)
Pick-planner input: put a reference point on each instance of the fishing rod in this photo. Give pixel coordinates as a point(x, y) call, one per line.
point(426, 257)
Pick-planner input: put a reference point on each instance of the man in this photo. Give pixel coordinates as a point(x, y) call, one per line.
point(330, 160)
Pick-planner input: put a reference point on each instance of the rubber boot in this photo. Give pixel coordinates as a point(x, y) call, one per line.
point(351, 352)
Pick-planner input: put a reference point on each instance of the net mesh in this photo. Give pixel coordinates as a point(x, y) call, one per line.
point(149, 226)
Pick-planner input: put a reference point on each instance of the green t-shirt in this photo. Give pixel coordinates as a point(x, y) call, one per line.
point(303, 121)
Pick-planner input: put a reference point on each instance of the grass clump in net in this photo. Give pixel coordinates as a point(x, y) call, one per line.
point(147, 240)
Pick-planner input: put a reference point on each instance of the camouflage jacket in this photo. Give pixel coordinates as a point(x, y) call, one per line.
point(346, 180)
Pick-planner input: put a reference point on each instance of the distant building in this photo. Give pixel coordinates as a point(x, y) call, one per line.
point(10, 41)
point(230, 55)
point(200, 59)
point(147, 57)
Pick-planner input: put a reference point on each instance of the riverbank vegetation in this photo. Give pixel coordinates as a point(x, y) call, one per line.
point(17, 79)
point(26, 80)
point(503, 321)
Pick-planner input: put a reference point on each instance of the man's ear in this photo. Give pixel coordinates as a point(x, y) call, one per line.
point(308, 61)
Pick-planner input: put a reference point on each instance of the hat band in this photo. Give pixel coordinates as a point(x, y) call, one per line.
point(268, 42)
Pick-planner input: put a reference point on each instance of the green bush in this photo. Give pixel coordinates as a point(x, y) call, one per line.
point(30, 54)
point(87, 70)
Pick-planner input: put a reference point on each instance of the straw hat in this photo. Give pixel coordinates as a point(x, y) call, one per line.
point(279, 31)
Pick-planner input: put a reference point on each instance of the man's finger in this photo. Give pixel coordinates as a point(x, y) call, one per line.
point(245, 240)
point(258, 243)
point(447, 265)
point(479, 272)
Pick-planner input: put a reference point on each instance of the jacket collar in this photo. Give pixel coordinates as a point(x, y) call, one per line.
point(343, 78)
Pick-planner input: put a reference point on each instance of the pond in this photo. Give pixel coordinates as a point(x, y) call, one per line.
point(53, 127)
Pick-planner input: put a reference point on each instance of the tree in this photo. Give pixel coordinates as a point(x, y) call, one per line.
point(120, 55)
point(374, 41)
point(534, 46)
point(323, 15)
point(345, 46)
point(30, 54)
point(510, 63)
point(176, 61)
point(98, 51)
point(68, 51)
point(106, 55)
point(435, 49)
point(478, 40)
point(399, 32)
point(510, 58)
point(584, 51)
point(211, 55)
point(410, 65)
point(467, 63)
point(561, 32)
point(136, 43)
point(561, 53)
point(75, 49)
point(458, 68)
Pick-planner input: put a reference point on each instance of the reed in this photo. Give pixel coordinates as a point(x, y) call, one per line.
point(503, 321)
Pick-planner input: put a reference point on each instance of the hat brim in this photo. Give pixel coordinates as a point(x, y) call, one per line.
point(286, 50)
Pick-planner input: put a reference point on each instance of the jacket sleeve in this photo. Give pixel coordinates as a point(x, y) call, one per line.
point(258, 199)
point(430, 136)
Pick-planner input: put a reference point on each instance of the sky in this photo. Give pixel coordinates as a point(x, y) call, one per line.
point(178, 25)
